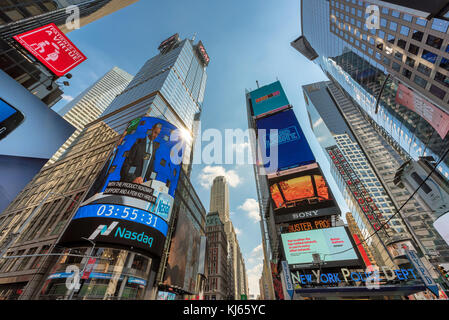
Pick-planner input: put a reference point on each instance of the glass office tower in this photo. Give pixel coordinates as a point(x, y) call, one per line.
point(156, 91)
point(406, 57)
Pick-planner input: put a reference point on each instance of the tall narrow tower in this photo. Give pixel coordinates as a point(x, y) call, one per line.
point(219, 198)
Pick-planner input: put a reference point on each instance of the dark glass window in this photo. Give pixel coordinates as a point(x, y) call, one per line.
point(420, 81)
point(398, 55)
point(438, 92)
point(390, 38)
point(444, 64)
point(396, 66)
point(410, 62)
point(406, 73)
point(434, 41)
point(441, 78)
point(386, 61)
point(413, 49)
point(402, 43)
point(417, 35)
point(424, 69)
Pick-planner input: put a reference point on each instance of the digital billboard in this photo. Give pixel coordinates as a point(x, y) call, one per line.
point(268, 99)
point(333, 244)
point(301, 193)
point(52, 48)
point(131, 200)
point(183, 264)
point(292, 147)
point(30, 133)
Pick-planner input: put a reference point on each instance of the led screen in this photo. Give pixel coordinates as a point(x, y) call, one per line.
point(301, 192)
point(268, 99)
point(333, 244)
point(134, 192)
point(289, 142)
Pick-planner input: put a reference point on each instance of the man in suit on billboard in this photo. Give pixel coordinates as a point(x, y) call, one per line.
point(139, 164)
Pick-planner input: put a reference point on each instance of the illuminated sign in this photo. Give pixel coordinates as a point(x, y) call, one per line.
point(358, 191)
point(51, 47)
point(301, 195)
point(333, 244)
point(268, 100)
point(288, 141)
point(135, 190)
point(203, 54)
point(168, 41)
point(309, 225)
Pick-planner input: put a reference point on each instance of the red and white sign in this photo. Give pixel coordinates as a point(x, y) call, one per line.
point(51, 47)
point(438, 119)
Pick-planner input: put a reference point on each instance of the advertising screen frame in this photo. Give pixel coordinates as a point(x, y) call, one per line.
point(293, 213)
point(329, 264)
point(291, 144)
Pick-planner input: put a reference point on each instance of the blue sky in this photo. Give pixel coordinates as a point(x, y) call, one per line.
point(246, 41)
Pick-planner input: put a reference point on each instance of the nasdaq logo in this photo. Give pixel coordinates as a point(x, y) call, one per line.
point(104, 230)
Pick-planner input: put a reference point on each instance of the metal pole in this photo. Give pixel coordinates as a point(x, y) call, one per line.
point(70, 297)
point(13, 236)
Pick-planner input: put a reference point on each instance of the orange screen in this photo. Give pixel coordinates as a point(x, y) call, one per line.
point(322, 188)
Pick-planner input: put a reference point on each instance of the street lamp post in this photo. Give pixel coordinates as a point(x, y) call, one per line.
point(70, 297)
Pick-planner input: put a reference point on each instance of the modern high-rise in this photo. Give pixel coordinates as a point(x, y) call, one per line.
point(385, 83)
point(17, 17)
point(91, 103)
point(396, 72)
point(217, 259)
point(219, 202)
point(166, 87)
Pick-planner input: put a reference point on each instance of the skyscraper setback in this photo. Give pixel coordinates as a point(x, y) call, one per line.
point(179, 67)
point(91, 103)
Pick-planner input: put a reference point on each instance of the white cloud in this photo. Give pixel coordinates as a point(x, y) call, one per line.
point(237, 231)
point(67, 98)
point(254, 275)
point(209, 173)
point(251, 206)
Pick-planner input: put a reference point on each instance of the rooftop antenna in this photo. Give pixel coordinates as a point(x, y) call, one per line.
point(257, 82)
point(194, 36)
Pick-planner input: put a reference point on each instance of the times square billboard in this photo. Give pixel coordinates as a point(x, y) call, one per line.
point(335, 246)
point(268, 99)
point(301, 193)
point(289, 142)
point(130, 202)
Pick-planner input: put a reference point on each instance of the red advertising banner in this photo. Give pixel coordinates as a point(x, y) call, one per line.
point(51, 47)
point(89, 267)
point(361, 250)
point(438, 119)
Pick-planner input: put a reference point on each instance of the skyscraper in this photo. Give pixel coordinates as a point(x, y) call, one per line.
point(91, 103)
point(382, 78)
point(219, 202)
point(17, 17)
point(170, 86)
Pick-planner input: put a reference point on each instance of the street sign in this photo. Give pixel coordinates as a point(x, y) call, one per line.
point(287, 278)
point(422, 271)
point(52, 48)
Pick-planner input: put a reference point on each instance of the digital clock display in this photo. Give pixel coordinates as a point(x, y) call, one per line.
point(124, 213)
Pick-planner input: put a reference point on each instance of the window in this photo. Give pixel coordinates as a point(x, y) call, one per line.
point(379, 45)
point(440, 25)
point(429, 56)
point(441, 78)
point(444, 64)
point(391, 38)
point(398, 55)
point(406, 73)
point(407, 17)
point(395, 13)
point(402, 43)
point(381, 34)
point(420, 81)
point(393, 26)
point(421, 22)
point(396, 66)
point(434, 41)
point(413, 49)
point(405, 30)
point(410, 62)
point(378, 56)
point(370, 51)
point(384, 10)
point(437, 92)
point(417, 35)
point(386, 61)
point(424, 69)
point(383, 22)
